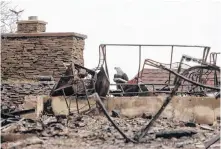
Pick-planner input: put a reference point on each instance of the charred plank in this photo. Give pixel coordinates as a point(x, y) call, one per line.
point(175, 133)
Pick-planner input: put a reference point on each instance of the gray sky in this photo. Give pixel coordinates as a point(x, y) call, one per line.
point(132, 21)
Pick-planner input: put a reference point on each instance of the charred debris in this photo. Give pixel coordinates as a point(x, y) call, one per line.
point(82, 84)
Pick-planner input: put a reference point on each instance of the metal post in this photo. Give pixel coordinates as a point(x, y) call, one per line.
point(105, 60)
point(139, 64)
point(207, 53)
point(204, 52)
point(178, 70)
point(85, 89)
point(171, 60)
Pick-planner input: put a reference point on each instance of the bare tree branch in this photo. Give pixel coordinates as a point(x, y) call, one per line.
point(9, 17)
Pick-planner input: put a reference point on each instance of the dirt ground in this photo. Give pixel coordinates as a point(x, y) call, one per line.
point(97, 132)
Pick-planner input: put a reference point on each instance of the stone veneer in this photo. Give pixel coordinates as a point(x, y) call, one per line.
point(32, 52)
point(31, 26)
point(14, 93)
point(27, 55)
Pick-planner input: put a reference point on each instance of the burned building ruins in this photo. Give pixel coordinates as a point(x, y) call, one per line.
point(48, 94)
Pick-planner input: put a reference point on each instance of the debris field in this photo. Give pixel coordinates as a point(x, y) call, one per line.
point(99, 128)
point(88, 131)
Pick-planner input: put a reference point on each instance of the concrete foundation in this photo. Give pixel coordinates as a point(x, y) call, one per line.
point(202, 110)
point(198, 109)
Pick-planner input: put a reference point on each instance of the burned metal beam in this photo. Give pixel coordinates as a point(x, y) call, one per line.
point(168, 99)
point(156, 116)
point(17, 113)
point(212, 141)
point(153, 45)
point(97, 97)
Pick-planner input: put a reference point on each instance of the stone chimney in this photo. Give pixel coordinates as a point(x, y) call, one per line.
point(32, 25)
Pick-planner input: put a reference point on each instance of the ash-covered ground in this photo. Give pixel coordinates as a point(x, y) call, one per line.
point(97, 132)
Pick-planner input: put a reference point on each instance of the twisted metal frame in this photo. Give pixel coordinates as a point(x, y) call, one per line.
point(137, 138)
point(77, 86)
point(177, 82)
point(103, 62)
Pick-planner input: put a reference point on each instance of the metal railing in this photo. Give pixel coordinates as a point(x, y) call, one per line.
point(103, 56)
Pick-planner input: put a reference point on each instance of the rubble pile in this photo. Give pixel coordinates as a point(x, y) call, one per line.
point(86, 131)
point(13, 94)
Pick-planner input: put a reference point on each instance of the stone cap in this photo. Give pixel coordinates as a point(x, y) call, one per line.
point(31, 22)
point(43, 34)
point(32, 25)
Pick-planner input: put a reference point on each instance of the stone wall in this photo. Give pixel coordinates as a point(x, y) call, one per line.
point(13, 94)
point(25, 56)
point(31, 27)
point(32, 52)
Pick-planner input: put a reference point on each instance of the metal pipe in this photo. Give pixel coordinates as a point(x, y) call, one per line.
point(171, 59)
point(86, 93)
point(193, 82)
point(166, 92)
point(179, 69)
point(139, 65)
point(153, 45)
point(109, 118)
point(212, 141)
point(165, 103)
point(66, 101)
point(204, 53)
point(207, 53)
point(145, 84)
point(105, 60)
point(77, 104)
point(142, 70)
